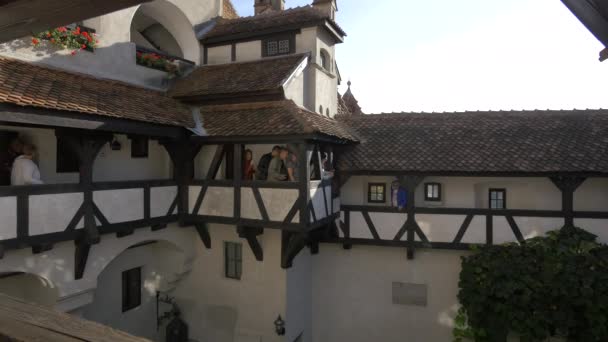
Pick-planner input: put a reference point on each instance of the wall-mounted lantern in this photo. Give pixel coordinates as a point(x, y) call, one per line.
point(279, 326)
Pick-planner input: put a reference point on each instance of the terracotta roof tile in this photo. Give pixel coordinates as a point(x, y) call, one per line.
point(26, 84)
point(289, 18)
point(268, 119)
point(235, 78)
point(474, 142)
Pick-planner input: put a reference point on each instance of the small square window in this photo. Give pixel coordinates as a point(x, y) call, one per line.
point(376, 193)
point(139, 147)
point(233, 260)
point(498, 198)
point(283, 46)
point(432, 192)
point(272, 48)
point(131, 289)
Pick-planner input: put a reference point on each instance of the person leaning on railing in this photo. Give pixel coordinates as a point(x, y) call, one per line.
point(25, 171)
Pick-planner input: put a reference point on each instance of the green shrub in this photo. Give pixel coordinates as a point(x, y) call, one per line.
point(553, 286)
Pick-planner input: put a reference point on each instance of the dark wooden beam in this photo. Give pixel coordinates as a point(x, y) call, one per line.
point(81, 255)
point(38, 117)
point(203, 233)
point(251, 235)
point(370, 225)
point(304, 158)
point(216, 162)
point(291, 245)
point(463, 228)
point(515, 229)
point(568, 185)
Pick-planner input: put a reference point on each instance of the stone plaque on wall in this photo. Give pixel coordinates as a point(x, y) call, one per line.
point(409, 294)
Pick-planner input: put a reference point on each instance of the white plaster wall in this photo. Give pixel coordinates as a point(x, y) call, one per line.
point(317, 199)
point(218, 202)
point(30, 288)
point(219, 54)
point(120, 205)
point(119, 166)
point(595, 226)
point(249, 207)
point(278, 202)
point(161, 199)
point(57, 265)
point(224, 310)
point(53, 213)
point(158, 262)
point(115, 55)
point(351, 305)
point(249, 51)
point(466, 192)
point(592, 195)
point(299, 298)
point(476, 233)
point(294, 90)
point(46, 142)
point(8, 218)
point(109, 165)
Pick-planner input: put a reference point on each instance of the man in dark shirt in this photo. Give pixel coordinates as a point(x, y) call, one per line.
point(262, 171)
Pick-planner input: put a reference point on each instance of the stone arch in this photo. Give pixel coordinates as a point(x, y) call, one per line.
point(29, 287)
point(170, 30)
point(160, 263)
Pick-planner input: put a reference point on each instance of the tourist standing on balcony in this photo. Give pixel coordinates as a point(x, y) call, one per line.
point(276, 169)
point(264, 164)
point(292, 167)
point(15, 148)
point(25, 171)
point(248, 165)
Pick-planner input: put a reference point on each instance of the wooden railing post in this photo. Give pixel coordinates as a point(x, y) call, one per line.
point(410, 183)
point(568, 185)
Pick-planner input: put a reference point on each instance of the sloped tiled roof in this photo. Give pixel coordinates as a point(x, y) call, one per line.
point(474, 142)
point(268, 119)
point(237, 78)
point(289, 19)
point(26, 84)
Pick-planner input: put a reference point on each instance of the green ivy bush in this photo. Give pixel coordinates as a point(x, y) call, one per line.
point(553, 286)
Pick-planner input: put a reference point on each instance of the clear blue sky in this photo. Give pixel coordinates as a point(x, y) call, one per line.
point(446, 55)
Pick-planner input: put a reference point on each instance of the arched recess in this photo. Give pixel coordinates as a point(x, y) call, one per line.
point(158, 265)
point(29, 287)
point(325, 60)
point(161, 25)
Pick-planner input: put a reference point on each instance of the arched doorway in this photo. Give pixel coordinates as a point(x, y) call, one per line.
point(161, 26)
point(29, 288)
point(125, 296)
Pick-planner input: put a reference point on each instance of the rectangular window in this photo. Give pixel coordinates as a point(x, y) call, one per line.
point(376, 192)
point(139, 147)
point(278, 45)
point(432, 192)
point(233, 260)
point(498, 199)
point(131, 289)
point(67, 161)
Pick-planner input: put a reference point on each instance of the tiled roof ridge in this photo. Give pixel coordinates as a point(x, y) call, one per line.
point(258, 61)
point(499, 111)
point(81, 74)
point(244, 105)
point(268, 14)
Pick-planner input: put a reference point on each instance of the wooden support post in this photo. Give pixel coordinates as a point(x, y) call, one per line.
point(203, 233)
point(238, 178)
point(304, 154)
point(568, 185)
point(251, 235)
point(86, 146)
point(346, 230)
point(291, 245)
point(182, 153)
point(81, 255)
point(410, 183)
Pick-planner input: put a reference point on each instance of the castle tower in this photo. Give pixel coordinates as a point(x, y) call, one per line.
point(262, 6)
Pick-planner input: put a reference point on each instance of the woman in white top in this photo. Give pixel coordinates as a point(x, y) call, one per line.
point(25, 171)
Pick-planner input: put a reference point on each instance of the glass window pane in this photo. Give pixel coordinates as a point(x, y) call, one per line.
point(284, 46)
point(272, 48)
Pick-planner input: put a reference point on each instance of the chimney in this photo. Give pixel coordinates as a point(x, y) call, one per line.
point(263, 6)
point(328, 7)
